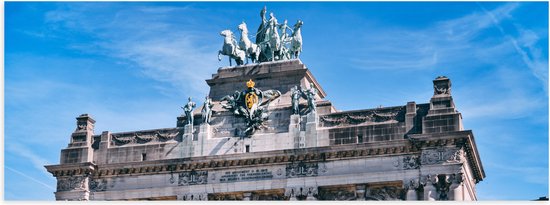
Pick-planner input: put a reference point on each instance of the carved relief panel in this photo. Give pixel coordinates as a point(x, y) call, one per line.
point(72, 183)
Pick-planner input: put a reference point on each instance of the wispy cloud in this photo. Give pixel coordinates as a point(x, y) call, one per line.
point(524, 45)
point(36, 160)
point(167, 50)
point(455, 43)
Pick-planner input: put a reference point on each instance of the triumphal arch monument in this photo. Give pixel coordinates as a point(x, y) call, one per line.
point(266, 132)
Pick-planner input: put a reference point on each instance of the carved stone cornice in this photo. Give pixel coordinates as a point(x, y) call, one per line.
point(278, 157)
point(62, 170)
point(460, 139)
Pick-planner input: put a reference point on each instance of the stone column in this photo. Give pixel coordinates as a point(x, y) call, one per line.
point(430, 192)
point(456, 188)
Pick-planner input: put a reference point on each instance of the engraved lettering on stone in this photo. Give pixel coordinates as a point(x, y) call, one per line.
point(192, 178)
point(246, 175)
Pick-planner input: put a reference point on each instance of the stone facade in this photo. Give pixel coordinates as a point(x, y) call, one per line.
point(409, 152)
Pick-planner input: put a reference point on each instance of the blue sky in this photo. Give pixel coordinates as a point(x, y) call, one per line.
point(132, 65)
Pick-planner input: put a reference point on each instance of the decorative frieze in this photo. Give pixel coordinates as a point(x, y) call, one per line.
point(441, 155)
point(353, 118)
point(383, 193)
point(98, 185)
point(337, 194)
point(302, 169)
point(192, 177)
point(411, 162)
point(71, 183)
point(305, 192)
point(193, 197)
point(144, 137)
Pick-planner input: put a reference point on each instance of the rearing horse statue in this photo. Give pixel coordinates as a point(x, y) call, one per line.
point(230, 48)
point(252, 50)
point(296, 42)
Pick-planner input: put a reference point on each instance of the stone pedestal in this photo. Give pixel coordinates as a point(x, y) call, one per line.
point(294, 130)
point(205, 133)
point(187, 149)
point(410, 118)
point(311, 130)
point(103, 147)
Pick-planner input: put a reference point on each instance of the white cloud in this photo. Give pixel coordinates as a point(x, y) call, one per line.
point(167, 50)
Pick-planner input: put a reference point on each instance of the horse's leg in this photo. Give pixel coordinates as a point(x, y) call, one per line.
point(219, 55)
point(229, 57)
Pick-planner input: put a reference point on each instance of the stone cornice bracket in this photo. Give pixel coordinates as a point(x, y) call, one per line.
point(85, 169)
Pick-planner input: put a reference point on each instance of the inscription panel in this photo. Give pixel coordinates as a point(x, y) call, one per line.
point(246, 175)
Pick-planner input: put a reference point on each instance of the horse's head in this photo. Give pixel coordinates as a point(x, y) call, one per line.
point(226, 33)
point(242, 27)
point(298, 24)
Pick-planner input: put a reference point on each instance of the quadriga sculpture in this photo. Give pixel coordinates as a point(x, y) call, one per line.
point(231, 49)
point(252, 50)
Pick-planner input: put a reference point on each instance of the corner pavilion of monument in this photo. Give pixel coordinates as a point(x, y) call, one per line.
point(266, 132)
